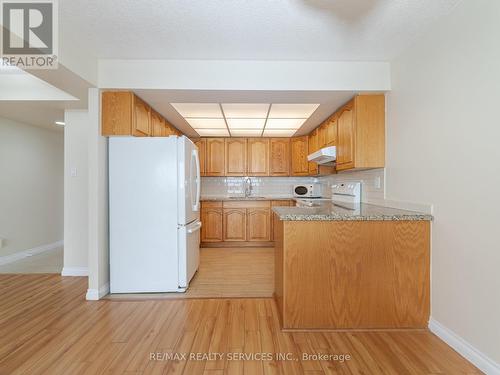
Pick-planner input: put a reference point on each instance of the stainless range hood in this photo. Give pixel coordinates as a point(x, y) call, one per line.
point(326, 155)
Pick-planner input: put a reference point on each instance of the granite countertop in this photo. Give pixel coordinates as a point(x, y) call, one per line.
point(327, 211)
point(243, 198)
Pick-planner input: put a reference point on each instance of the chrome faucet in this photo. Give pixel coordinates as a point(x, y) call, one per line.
point(248, 187)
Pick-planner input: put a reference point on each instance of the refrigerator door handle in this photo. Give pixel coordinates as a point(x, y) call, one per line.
point(196, 206)
point(194, 228)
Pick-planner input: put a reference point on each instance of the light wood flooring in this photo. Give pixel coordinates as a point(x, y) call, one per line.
point(47, 327)
point(225, 272)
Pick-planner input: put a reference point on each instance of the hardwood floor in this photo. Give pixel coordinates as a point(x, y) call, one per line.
point(225, 272)
point(46, 327)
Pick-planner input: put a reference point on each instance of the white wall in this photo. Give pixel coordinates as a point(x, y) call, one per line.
point(31, 186)
point(443, 148)
point(76, 193)
point(98, 202)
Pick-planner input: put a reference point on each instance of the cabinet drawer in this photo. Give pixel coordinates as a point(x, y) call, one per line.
point(211, 204)
point(246, 204)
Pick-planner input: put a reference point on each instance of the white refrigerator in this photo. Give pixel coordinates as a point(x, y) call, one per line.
point(154, 208)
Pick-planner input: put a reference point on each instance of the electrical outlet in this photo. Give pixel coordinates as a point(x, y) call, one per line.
point(74, 172)
point(378, 182)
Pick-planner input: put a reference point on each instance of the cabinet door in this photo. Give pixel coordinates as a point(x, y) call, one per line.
point(331, 132)
point(157, 125)
point(313, 146)
point(279, 157)
point(345, 141)
point(322, 135)
point(214, 164)
point(169, 129)
point(236, 156)
point(299, 152)
point(274, 220)
point(258, 157)
point(211, 229)
point(258, 224)
point(141, 126)
point(202, 151)
point(235, 224)
point(116, 113)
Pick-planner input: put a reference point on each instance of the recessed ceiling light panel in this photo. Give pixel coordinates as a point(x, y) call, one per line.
point(245, 110)
point(284, 123)
point(292, 110)
point(207, 123)
point(245, 123)
point(212, 132)
point(202, 110)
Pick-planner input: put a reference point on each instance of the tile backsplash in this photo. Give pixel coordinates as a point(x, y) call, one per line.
point(261, 186)
point(372, 185)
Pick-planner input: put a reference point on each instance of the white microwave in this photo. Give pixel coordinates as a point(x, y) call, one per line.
point(311, 190)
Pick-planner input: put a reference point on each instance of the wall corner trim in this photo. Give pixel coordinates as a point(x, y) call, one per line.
point(97, 294)
point(30, 252)
point(466, 350)
point(75, 271)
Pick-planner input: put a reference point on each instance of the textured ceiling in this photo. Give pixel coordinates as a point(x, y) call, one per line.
point(370, 30)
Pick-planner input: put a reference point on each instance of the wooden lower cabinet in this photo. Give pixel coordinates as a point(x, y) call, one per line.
point(211, 219)
point(234, 224)
point(274, 218)
point(259, 224)
point(352, 274)
point(239, 223)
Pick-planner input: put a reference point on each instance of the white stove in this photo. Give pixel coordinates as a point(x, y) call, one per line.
point(346, 195)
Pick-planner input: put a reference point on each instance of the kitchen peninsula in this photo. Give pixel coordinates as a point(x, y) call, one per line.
point(337, 268)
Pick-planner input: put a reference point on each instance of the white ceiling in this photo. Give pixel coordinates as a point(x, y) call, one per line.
point(312, 30)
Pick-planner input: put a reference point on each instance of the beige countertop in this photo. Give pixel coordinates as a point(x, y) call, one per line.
point(327, 211)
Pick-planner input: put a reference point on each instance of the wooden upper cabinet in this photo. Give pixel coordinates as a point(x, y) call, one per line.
point(157, 125)
point(258, 157)
point(313, 146)
point(299, 151)
point(322, 129)
point(279, 159)
point(331, 132)
point(202, 154)
point(141, 121)
point(214, 163)
point(170, 130)
point(124, 113)
point(236, 156)
point(361, 133)
point(258, 224)
point(345, 146)
point(117, 113)
point(235, 224)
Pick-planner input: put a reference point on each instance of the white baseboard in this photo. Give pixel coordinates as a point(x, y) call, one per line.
point(466, 350)
point(97, 294)
point(75, 271)
point(30, 252)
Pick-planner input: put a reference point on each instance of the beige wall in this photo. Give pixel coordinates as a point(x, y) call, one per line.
point(76, 192)
point(443, 148)
point(31, 186)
